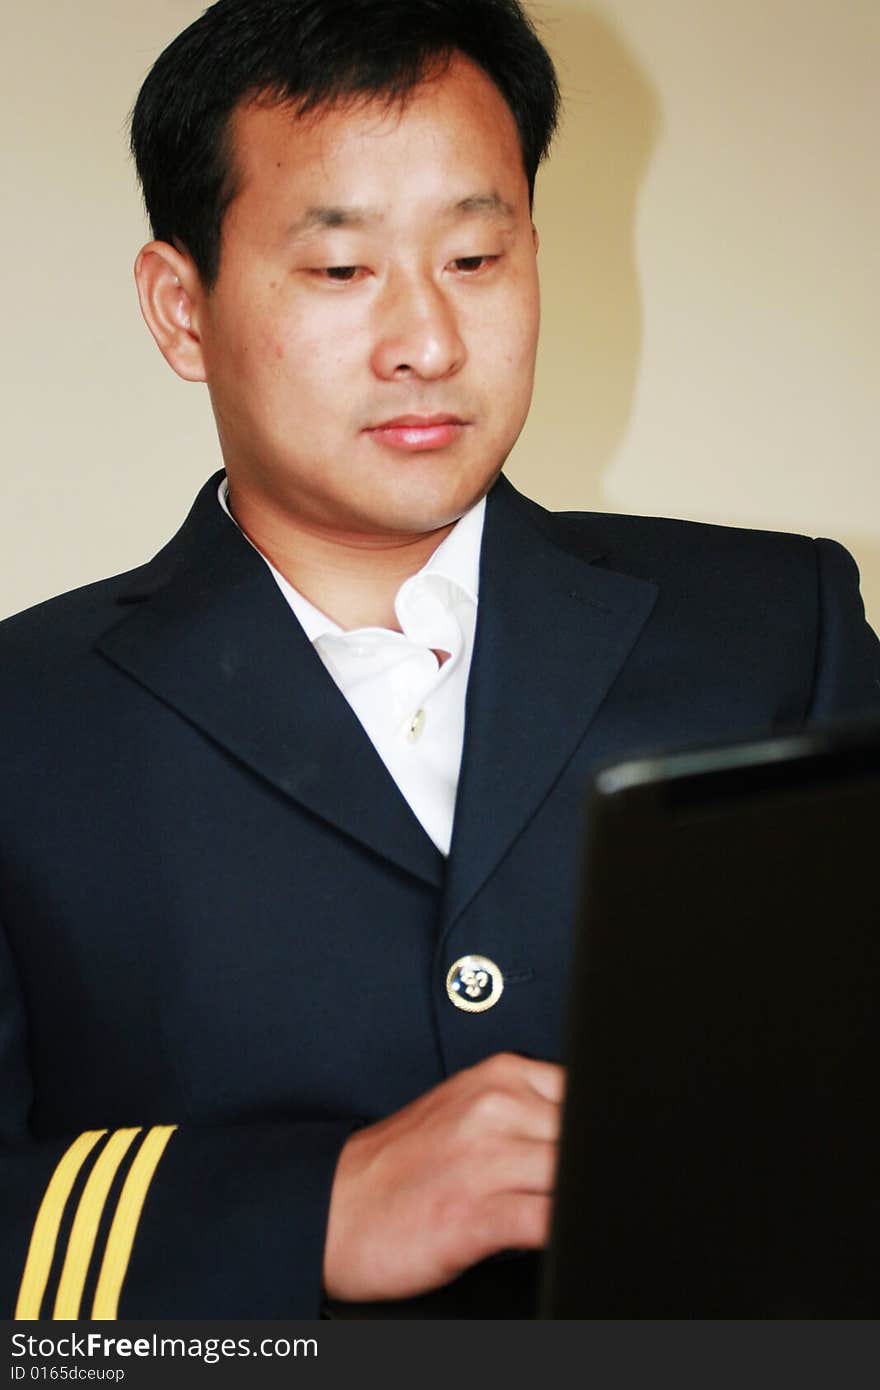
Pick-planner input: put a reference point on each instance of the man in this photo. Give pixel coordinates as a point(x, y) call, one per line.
point(288, 895)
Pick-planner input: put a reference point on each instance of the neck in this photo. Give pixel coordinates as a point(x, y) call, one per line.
point(353, 578)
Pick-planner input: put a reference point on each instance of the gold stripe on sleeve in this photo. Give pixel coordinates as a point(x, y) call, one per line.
point(125, 1223)
point(85, 1225)
point(45, 1233)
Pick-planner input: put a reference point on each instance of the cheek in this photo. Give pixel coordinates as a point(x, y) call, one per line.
point(310, 348)
point(517, 340)
point(514, 340)
point(508, 332)
point(271, 347)
point(529, 319)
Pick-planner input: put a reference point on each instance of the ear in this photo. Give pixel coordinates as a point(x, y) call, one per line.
point(171, 295)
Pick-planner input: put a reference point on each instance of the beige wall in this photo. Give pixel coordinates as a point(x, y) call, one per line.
point(709, 228)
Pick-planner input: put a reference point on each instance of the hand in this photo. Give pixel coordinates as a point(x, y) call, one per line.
point(462, 1172)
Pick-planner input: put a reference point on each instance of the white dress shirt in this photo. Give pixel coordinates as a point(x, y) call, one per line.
point(410, 706)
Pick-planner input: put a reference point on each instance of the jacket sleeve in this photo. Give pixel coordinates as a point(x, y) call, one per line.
point(156, 1221)
point(846, 677)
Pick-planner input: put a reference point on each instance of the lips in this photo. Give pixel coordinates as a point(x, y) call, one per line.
point(413, 433)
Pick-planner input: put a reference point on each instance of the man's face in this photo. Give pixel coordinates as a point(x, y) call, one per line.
point(370, 341)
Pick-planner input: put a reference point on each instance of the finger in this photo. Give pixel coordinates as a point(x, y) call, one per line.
point(528, 1115)
point(547, 1078)
point(498, 1110)
point(512, 1070)
point(517, 1221)
point(516, 1165)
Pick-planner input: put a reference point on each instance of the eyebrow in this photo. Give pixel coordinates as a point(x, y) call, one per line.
point(321, 218)
point(479, 203)
point(318, 219)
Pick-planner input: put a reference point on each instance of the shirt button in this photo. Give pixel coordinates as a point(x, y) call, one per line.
point(416, 726)
point(474, 984)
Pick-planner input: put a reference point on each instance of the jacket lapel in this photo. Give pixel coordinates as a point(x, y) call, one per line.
point(553, 631)
point(206, 629)
point(211, 635)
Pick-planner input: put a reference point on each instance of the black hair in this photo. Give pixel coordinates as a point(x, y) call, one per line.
point(312, 53)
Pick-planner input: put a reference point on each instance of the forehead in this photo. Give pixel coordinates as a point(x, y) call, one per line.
point(454, 132)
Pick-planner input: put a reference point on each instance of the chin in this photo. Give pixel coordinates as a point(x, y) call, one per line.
point(437, 501)
point(421, 516)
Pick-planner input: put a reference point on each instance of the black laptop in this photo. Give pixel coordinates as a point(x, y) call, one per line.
point(720, 1155)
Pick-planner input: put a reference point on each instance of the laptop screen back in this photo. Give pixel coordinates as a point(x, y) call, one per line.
point(720, 1154)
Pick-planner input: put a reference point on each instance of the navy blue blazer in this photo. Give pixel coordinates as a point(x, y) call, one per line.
point(225, 936)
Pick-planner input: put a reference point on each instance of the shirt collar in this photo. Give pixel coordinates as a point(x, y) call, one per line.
point(456, 559)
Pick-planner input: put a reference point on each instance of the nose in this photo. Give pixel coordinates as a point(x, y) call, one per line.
point(418, 332)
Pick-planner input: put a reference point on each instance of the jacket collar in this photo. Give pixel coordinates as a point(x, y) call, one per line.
point(553, 630)
point(213, 637)
point(209, 633)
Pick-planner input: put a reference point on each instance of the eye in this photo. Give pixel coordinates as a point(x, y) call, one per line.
point(339, 274)
point(471, 265)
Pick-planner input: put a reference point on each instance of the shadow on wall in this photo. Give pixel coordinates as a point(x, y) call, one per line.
point(585, 210)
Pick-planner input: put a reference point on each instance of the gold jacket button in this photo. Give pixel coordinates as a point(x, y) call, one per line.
point(474, 983)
